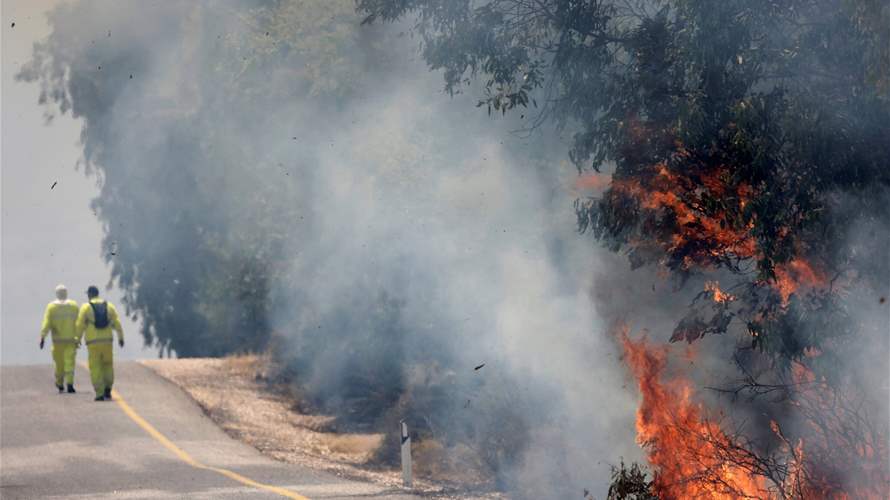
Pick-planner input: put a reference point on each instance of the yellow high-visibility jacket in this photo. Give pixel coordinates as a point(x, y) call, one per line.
point(60, 318)
point(86, 324)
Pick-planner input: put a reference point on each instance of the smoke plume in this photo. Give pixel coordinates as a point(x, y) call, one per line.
point(279, 175)
point(278, 171)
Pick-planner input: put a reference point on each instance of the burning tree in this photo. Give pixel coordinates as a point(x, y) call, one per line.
point(740, 144)
point(694, 457)
point(744, 137)
point(738, 140)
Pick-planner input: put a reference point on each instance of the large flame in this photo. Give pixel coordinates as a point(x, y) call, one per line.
point(689, 453)
point(834, 454)
point(712, 225)
point(703, 235)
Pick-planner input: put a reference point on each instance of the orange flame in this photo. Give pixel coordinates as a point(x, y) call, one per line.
point(719, 295)
point(792, 276)
point(688, 451)
point(709, 232)
point(703, 234)
point(693, 458)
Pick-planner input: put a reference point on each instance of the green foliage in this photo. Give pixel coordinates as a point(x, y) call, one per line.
point(210, 129)
point(736, 133)
point(194, 251)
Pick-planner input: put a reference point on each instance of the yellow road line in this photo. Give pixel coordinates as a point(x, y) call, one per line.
point(185, 457)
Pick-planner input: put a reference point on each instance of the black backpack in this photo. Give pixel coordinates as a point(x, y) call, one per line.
point(100, 314)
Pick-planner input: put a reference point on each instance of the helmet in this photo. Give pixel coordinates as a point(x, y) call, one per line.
point(92, 291)
point(61, 292)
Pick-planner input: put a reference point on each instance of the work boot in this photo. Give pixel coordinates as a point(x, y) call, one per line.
point(70, 389)
point(60, 388)
point(107, 395)
point(99, 398)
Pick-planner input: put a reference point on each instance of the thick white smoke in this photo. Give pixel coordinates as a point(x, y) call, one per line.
point(403, 232)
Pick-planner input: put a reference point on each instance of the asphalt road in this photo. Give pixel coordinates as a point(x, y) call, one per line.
point(68, 446)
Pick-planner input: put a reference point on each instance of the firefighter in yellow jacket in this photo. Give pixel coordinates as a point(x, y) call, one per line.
point(97, 319)
point(59, 318)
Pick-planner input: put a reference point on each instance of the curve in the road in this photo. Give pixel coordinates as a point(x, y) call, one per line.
point(185, 457)
point(66, 446)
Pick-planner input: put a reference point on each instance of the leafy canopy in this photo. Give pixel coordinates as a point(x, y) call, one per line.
point(741, 136)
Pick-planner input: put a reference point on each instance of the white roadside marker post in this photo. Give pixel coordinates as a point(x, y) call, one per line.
point(406, 454)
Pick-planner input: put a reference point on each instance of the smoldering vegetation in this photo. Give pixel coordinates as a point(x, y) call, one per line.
point(288, 176)
point(746, 140)
point(278, 175)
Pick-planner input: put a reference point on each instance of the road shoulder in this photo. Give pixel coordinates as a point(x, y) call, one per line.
point(235, 394)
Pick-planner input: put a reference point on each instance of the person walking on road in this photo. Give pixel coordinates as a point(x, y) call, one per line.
point(60, 318)
point(97, 319)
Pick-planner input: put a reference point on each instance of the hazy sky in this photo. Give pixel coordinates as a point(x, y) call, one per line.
point(49, 235)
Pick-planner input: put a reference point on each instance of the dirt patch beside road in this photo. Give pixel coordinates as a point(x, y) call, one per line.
point(236, 394)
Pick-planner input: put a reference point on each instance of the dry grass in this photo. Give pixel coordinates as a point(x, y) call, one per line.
point(235, 392)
